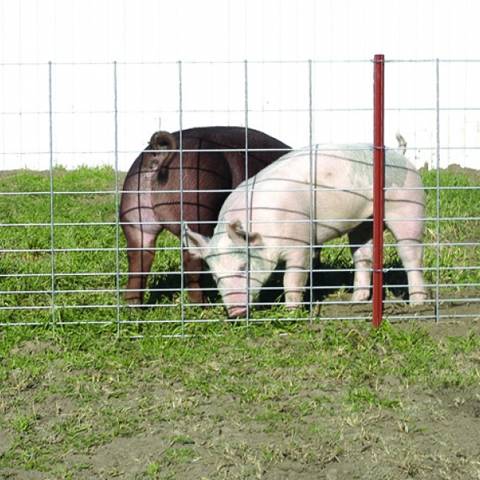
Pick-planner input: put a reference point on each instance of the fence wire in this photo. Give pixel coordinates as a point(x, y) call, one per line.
point(64, 258)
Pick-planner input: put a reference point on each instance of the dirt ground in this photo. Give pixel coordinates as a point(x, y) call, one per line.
point(302, 431)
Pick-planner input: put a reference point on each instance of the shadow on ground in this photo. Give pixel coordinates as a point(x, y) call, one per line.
point(328, 280)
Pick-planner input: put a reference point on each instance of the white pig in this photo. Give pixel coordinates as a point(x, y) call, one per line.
point(311, 195)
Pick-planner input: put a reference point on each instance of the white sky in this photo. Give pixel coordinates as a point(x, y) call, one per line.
point(142, 31)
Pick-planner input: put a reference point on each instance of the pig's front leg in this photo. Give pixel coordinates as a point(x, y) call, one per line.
point(194, 268)
point(362, 260)
point(362, 253)
point(295, 279)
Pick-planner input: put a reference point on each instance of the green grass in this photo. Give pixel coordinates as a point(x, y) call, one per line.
point(99, 207)
point(229, 402)
point(71, 391)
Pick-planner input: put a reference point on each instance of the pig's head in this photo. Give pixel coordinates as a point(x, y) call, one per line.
point(227, 258)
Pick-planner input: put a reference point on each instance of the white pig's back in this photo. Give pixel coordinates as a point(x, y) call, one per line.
point(329, 166)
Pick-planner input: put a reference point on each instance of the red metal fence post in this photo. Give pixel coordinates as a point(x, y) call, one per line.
point(378, 187)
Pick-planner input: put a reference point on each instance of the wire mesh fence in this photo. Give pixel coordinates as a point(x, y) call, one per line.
point(92, 227)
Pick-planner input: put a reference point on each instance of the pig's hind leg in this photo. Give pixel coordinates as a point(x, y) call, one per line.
point(408, 235)
point(140, 252)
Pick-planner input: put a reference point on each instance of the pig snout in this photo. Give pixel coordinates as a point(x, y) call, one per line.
point(236, 303)
point(236, 312)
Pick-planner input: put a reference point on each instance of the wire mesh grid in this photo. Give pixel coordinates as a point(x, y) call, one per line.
point(65, 260)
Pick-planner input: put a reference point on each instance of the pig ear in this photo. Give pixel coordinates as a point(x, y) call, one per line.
point(238, 235)
point(195, 243)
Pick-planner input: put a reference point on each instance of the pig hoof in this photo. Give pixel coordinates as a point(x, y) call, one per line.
point(293, 305)
point(361, 295)
point(132, 300)
point(418, 299)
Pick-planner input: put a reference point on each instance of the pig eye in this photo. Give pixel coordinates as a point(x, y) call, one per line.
point(242, 268)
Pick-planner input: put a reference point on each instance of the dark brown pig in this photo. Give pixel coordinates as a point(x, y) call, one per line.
point(151, 200)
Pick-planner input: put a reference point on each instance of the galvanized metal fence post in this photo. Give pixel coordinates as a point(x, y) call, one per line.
point(52, 220)
point(117, 197)
point(248, 206)
point(378, 187)
point(182, 221)
point(312, 185)
point(437, 191)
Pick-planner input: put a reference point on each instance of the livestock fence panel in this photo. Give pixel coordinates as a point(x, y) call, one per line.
point(71, 131)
